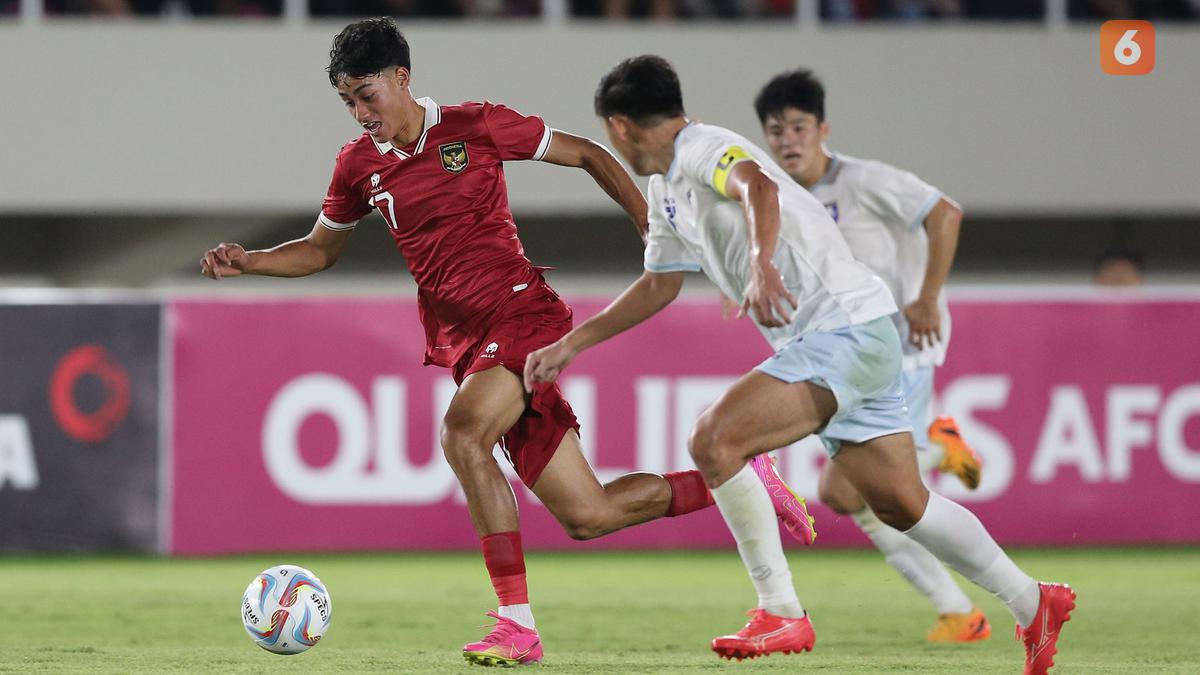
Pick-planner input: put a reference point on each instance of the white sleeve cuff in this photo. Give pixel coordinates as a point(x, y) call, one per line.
point(673, 267)
point(930, 202)
point(544, 146)
point(334, 225)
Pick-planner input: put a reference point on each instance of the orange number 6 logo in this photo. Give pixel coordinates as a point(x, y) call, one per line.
point(1127, 47)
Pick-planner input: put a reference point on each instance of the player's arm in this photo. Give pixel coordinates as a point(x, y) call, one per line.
point(300, 257)
point(768, 301)
point(643, 299)
point(924, 317)
point(570, 150)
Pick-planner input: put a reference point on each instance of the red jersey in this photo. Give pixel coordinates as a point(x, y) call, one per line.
point(446, 203)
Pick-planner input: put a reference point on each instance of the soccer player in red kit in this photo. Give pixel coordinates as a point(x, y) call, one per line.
point(435, 174)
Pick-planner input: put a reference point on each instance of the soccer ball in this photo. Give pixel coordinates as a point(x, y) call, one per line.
point(286, 609)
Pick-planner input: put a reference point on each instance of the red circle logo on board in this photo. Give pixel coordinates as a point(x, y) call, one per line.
point(97, 425)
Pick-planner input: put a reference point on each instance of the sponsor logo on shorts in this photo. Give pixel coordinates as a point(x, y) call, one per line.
point(489, 352)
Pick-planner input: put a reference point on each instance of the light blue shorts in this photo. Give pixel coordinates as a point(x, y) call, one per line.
point(917, 385)
point(861, 366)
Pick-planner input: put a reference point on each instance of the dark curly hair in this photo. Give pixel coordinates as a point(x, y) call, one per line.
point(643, 88)
point(365, 48)
point(799, 89)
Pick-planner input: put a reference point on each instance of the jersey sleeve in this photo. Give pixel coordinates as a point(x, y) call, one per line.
point(665, 251)
point(899, 197)
point(710, 160)
point(343, 206)
point(516, 136)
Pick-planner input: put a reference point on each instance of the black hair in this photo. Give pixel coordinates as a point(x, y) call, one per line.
point(1127, 254)
point(643, 88)
point(799, 89)
point(365, 48)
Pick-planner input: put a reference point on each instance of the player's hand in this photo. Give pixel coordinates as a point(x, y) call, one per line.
point(729, 307)
point(924, 323)
point(767, 300)
point(545, 364)
point(226, 260)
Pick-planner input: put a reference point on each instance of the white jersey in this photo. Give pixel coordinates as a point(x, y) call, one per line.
point(881, 211)
point(695, 227)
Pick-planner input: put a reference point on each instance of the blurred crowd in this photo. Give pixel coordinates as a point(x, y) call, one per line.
point(839, 11)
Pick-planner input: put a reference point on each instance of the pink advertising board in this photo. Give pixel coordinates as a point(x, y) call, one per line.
point(311, 425)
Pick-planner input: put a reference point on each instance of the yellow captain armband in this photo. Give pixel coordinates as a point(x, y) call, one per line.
point(729, 159)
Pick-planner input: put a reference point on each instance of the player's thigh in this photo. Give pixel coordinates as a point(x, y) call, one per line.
point(760, 413)
point(568, 486)
point(485, 406)
point(835, 490)
point(884, 471)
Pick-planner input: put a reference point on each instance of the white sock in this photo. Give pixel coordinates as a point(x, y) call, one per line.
point(746, 507)
point(929, 457)
point(914, 563)
point(958, 539)
point(522, 614)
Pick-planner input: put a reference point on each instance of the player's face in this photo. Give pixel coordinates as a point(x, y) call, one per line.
point(795, 138)
point(376, 101)
point(621, 137)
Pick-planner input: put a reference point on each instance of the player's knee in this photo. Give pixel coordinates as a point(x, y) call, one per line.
point(463, 443)
point(900, 511)
point(584, 526)
point(838, 499)
point(710, 443)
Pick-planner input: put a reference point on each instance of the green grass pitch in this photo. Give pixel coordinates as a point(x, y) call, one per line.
point(598, 613)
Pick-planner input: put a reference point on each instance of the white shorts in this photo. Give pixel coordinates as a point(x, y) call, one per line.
point(861, 366)
point(917, 385)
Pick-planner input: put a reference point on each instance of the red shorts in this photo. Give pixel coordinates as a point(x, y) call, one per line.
point(535, 320)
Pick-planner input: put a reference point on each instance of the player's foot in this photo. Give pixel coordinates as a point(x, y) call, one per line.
point(765, 634)
point(958, 458)
point(789, 507)
point(970, 626)
point(1041, 637)
point(509, 644)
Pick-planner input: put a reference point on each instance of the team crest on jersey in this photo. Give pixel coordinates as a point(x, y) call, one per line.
point(454, 156)
point(832, 208)
point(669, 207)
point(374, 180)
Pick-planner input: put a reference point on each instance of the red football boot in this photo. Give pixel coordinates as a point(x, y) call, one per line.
point(1041, 637)
point(766, 634)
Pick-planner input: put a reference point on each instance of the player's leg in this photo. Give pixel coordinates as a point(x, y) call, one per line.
point(940, 444)
point(958, 620)
point(758, 413)
point(586, 509)
point(486, 405)
point(884, 471)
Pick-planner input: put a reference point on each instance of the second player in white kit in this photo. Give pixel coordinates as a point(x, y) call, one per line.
point(905, 230)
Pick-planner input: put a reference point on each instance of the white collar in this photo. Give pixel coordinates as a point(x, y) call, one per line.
point(433, 115)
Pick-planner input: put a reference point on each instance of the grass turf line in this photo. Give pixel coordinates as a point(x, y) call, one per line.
point(598, 613)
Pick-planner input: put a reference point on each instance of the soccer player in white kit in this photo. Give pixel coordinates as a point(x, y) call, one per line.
point(904, 230)
point(721, 205)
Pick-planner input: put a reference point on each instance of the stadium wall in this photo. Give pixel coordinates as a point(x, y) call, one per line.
point(1085, 408)
point(216, 118)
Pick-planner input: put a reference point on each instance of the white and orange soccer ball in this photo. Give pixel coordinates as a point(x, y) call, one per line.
point(286, 609)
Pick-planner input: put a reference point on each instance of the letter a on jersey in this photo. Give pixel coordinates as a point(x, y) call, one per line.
point(454, 156)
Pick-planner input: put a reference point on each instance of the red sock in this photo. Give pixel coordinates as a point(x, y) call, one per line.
point(506, 565)
point(688, 492)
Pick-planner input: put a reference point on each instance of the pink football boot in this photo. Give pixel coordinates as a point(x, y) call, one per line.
point(790, 508)
point(509, 644)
